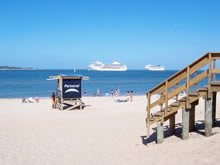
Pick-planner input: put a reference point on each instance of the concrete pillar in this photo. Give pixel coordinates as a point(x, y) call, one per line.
point(213, 109)
point(172, 125)
point(192, 118)
point(208, 116)
point(160, 132)
point(185, 127)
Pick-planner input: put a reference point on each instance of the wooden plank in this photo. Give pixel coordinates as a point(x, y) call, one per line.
point(158, 102)
point(210, 76)
point(158, 113)
point(198, 78)
point(177, 94)
point(216, 58)
point(214, 67)
point(195, 85)
point(178, 78)
point(199, 60)
point(166, 98)
point(177, 91)
point(148, 114)
point(157, 89)
point(199, 65)
point(215, 55)
point(187, 88)
point(215, 83)
point(215, 71)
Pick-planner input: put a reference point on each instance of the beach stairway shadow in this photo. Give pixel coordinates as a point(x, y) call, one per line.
point(181, 92)
point(199, 128)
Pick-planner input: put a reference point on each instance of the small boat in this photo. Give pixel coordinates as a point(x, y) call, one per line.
point(154, 67)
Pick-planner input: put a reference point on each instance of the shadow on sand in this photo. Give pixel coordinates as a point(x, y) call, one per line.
point(199, 128)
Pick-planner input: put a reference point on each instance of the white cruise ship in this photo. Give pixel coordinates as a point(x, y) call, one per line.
point(154, 67)
point(115, 66)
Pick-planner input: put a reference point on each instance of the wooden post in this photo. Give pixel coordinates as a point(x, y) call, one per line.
point(210, 76)
point(187, 88)
point(195, 86)
point(185, 126)
point(214, 66)
point(214, 109)
point(208, 116)
point(148, 114)
point(172, 124)
point(176, 95)
point(81, 104)
point(160, 132)
point(192, 118)
point(166, 98)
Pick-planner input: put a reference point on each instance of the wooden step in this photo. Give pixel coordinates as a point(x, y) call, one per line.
point(215, 83)
point(175, 104)
point(183, 99)
point(159, 113)
point(203, 89)
point(194, 94)
point(169, 109)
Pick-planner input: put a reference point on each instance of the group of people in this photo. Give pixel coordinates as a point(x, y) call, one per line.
point(31, 100)
point(117, 92)
point(130, 96)
point(113, 93)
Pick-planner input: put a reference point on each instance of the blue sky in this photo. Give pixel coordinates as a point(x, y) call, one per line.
point(66, 34)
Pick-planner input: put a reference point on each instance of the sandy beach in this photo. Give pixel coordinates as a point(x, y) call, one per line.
point(104, 133)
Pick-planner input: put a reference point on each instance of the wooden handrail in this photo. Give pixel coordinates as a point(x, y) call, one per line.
point(175, 81)
point(179, 74)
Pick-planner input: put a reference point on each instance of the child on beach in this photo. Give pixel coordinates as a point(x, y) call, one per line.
point(53, 100)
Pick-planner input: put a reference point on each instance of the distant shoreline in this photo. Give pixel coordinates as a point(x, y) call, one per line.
point(14, 68)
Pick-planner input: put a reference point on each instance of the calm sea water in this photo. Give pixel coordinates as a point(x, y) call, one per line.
point(31, 83)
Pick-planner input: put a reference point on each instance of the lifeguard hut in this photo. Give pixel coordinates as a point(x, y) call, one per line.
point(68, 92)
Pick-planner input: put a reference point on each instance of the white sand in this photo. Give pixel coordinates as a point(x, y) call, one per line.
point(104, 133)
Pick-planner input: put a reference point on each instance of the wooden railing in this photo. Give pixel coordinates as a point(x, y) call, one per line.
point(182, 81)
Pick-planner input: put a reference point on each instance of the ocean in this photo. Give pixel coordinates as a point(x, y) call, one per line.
point(34, 83)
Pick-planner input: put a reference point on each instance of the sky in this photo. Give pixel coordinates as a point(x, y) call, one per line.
point(66, 34)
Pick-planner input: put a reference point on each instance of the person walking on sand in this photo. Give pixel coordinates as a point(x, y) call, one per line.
point(53, 100)
point(131, 96)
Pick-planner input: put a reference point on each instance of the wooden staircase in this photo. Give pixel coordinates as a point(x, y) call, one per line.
point(170, 97)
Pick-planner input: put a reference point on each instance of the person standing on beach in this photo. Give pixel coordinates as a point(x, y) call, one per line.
point(53, 100)
point(131, 96)
point(85, 93)
point(98, 92)
point(116, 92)
point(128, 95)
point(112, 93)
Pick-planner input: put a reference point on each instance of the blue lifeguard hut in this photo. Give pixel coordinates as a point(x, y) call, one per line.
point(69, 91)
